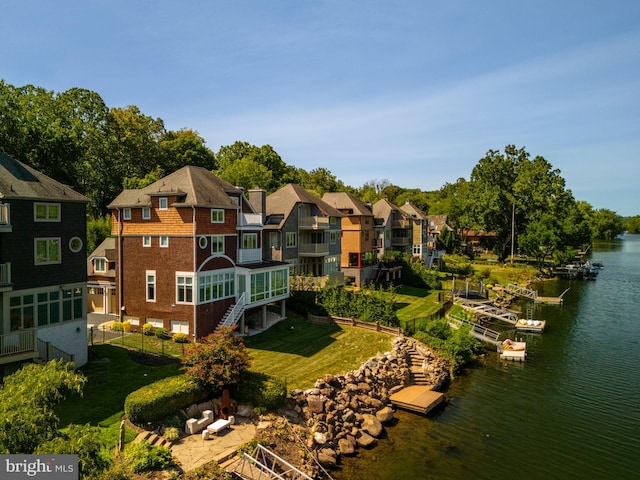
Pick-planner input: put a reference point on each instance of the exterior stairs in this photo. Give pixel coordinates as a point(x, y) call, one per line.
point(233, 314)
point(153, 439)
point(415, 366)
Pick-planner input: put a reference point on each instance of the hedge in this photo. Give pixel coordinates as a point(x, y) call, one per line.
point(160, 399)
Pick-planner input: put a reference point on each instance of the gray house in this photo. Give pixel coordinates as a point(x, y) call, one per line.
point(303, 231)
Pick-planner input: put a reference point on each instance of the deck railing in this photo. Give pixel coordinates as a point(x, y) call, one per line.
point(5, 219)
point(20, 341)
point(5, 273)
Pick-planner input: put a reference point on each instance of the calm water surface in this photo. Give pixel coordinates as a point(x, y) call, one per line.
point(571, 411)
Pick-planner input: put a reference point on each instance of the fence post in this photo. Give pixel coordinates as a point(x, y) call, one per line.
point(91, 335)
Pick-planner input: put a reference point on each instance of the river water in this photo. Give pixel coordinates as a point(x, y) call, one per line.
point(571, 411)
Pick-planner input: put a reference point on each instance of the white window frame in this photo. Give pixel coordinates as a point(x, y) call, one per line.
point(179, 326)
point(249, 241)
point(146, 213)
point(48, 260)
point(217, 240)
point(163, 203)
point(164, 241)
point(150, 285)
point(75, 244)
point(294, 236)
point(217, 215)
point(126, 213)
point(146, 241)
point(203, 242)
point(183, 284)
point(47, 212)
point(104, 264)
point(333, 237)
point(155, 322)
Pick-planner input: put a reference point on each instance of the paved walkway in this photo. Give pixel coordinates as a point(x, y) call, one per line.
point(192, 451)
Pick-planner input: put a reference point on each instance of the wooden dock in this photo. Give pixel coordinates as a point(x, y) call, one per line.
point(417, 398)
point(530, 326)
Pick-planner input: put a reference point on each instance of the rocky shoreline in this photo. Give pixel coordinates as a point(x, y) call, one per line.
point(343, 413)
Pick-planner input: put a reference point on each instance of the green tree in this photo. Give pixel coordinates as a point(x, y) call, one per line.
point(184, 147)
point(27, 398)
point(606, 225)
point(320, 181)
point(218, 360)
point(97, 230)
point(246, 173)
point(632, 224)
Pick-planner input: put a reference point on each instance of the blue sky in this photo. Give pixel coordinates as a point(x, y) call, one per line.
point(415, 92)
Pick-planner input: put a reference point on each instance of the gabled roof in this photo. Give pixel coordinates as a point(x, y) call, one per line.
point(383, 208)
point(20, 181)
point(107, 249)
point(410, 209)
point(347, 201)
point(439, 222)
point(283, 201)
point(195, 186)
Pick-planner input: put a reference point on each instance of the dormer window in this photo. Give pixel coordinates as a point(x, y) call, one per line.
point(146, 213)
point(163, 203)
point(99, 265)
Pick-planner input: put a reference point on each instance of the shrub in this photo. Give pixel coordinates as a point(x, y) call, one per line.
point(147, 329)
point(117, 326)
point(261, 391)
point(157, 400)
point(161, 332)
point(126, 326)
point(143, 456)
point(172, 434)
point(180, 337)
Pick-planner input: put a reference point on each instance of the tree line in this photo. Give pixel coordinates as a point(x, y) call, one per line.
point(74, 137)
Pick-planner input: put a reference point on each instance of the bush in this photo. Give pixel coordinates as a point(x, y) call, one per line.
point(126, 326)
point(180, 337)
point(261, 391)
point(171, 434)
point(157, 400)
point(147, 329)
point(142, 456)
point(161, 332)
point(117, 326)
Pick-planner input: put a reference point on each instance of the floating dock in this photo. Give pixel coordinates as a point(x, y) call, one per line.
point(417, 398)
point(530, 326)
point(511, 350)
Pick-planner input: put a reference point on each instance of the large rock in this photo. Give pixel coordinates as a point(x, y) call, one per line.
point(385, 415)
point(316, 403)
point(364, 439)
point(326, 458)
point(371, 425)
point(346, 446)
point(320, 438)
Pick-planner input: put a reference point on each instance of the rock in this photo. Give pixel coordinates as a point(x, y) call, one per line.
point(385, 415)
point(371, 425)
point(316, 403)
point(244, 411)
point(364, 439)
point(193, 411)
point(319, 438)
point(326, 459)
point(346, 446)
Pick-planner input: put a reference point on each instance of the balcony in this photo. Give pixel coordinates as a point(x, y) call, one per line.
point(5, 276)
point(5, 218)
point(313, 249)
point(18, 346)
point(249, 255)
point(313, 222)
point(400, 241)
point(251, 221)
point(400, 223)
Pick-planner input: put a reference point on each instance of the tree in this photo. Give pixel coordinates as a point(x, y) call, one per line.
point(27, 398)
point(320, 181)
point(218, 360)
point(606, 225)
point(632, 224)
point(184, 147)
point(97, 230)
point(246, 173)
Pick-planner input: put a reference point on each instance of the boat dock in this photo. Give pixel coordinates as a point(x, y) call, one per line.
point(512, 350)
point(417, 398)
point(487, 310)
point(552, 300)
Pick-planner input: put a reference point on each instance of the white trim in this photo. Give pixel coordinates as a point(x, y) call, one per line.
point(217, 210)
point(193, 285)
point(144, 241)
point(47, 261)
point(182, 326)
point(75, 239)
point(46, 218)
point(126, 213)
point(163, 203)
point(153, 283)
point(146, 213)
point(164, 238)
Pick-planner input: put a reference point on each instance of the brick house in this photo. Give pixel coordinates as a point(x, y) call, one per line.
point(358, 257)
point(101, 278)
point(43, 276)
point(189, 255)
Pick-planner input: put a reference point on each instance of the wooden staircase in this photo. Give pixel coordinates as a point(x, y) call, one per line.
point(233, 314)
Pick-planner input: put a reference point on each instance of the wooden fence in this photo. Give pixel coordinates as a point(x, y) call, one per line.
point(375, 326)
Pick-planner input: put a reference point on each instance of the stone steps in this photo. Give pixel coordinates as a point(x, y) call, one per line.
point(152, 439)
point(415, 366)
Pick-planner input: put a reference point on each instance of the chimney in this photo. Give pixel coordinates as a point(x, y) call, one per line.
point(258, 199)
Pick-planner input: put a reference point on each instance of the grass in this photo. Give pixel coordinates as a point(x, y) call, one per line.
point(300, 352)
point(416, 303)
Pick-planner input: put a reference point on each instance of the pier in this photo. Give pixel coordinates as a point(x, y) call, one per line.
point(488, 310)
point(417, 398)
point(552, 300)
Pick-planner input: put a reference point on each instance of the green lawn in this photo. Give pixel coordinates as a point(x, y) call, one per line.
point(416, 303)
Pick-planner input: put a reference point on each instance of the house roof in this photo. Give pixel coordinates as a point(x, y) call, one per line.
point(196, 186)
point(410, 209)
point(283, 201)
point(382, 209)
point(20, 181)
point(107, 249)
point(439, 222)
point(347, 201)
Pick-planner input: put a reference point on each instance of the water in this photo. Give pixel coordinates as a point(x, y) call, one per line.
point(571, 411)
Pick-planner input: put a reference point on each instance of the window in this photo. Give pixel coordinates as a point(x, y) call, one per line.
point(214, 286)
point(46, 212)
point(250, 241)
point(21, 312)
point(48, 308)
point(47, 251)
point(163, 203)
point(202, 241)
point(279, 282)
point(366, 235)
point(178, 326)
point(164, 242)
point(333, 237)
point(126, 214)
point(217, 215)
point(217, 244)
point(146, 241)
point(184, 289)
point(99, 264)
point(75, 244)
point(146, 213)
point(151, 285)
point(156, 322)
point(292, 239)
point(332, 220)
point(72, 304)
